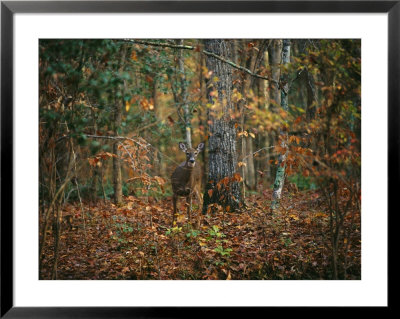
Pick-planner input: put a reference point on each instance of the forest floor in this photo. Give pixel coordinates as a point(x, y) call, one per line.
point(136, 241)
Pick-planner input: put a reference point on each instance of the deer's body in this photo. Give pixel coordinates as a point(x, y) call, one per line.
point(186, 179)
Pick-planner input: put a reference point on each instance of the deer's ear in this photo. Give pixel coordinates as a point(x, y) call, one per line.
point(182, 146)
point(200, 147)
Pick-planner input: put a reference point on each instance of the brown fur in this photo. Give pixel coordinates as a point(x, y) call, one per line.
point(186, 180)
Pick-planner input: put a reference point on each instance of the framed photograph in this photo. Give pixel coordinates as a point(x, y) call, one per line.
point(162, 155)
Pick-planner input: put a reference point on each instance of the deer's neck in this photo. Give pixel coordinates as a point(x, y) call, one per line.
point(189, 166)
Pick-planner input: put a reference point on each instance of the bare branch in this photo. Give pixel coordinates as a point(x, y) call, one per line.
point(189, 47)
point(261, 149)
point(122, 138)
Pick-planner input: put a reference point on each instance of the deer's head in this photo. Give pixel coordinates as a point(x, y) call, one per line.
point(191, 153)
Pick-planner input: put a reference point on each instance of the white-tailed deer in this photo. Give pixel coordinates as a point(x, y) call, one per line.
point(186, 179)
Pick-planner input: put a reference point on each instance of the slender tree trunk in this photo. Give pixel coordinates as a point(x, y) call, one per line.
point(94, 170)
point(264, 140)
point(155, 97)
point(250, 171)
point(57, 236)
point(309, 83)
point(311, 95)
point(275, 58)
point(240, 79)
point(102, 182)
point(93, 185)
point(50, 210)
point(253, 59)
point(184, 97)
point(280, 173)
point(222, 142)
point(202, 119)
point(117, 174)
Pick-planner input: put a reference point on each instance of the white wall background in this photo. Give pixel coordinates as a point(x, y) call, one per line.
point(370, 291)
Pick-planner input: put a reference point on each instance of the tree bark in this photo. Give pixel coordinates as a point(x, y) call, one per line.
point(184, 97)
point(280, 173)
point(309, 83)
point(57, 235)
point(117, 175)
point(246, 85)
point(264, 139)
point(275, 58)
point(250, 171)
point(222, 141)
point(202, 119)
point(118, 104)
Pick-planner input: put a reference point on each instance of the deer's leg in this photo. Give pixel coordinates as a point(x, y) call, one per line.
point(174, 198)
point(189, 205)
point(199, 202)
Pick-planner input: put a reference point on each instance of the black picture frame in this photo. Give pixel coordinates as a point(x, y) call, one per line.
point(9, 8)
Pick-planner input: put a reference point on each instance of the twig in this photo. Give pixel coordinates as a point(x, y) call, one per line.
point(118, 138)
point(130, 155)
point(121, 138)
point(252, 154)
point(154, 123)
point(295, 78)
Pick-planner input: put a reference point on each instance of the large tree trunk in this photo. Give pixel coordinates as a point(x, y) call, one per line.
point(222, 142)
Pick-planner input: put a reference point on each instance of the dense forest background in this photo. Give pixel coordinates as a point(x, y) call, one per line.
point(280, 171)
